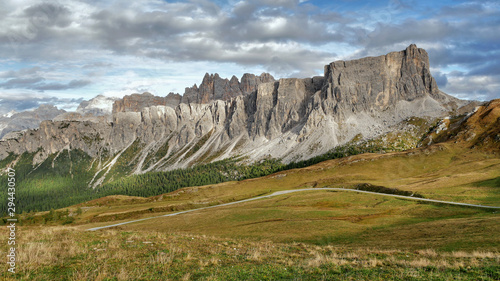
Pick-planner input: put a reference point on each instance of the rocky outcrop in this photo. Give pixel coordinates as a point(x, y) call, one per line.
point(378, 83)
point(480, 128)
point(291, 119)
point(173, 100)
point(213, 87)
point(136, 102)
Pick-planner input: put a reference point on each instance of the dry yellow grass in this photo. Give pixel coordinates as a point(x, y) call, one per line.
point(340, 218)
point(106, 254)
point(322, 230)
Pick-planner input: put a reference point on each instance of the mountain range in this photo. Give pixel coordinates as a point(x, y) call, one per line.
point(390, 101)
point(290, 119)
point(220, 140)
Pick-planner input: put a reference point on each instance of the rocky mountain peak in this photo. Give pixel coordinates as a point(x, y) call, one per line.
point(173, 99)
point(213, 87)
point(381, 82)
point(412, 50)
point(250, 82)
point(136, 102)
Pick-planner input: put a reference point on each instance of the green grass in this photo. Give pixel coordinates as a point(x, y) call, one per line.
point(494, 183)
point(343, 218)
point(126, 162)
point(7, 160)
point(63, 253)
point(198, 145)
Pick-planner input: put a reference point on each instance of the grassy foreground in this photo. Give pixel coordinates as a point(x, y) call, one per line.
point(66, 253)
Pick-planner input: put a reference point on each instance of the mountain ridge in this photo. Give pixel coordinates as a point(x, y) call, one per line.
point(14, 122)
point(289, 119)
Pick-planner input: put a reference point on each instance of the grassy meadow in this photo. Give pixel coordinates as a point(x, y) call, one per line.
point(442, 172)
point(66, 253)
point(309, 235)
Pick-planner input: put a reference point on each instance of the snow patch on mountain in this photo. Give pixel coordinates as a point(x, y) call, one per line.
point(98, 106)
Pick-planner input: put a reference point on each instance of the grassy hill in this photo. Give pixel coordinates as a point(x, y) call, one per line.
point(314, 235)
point(311, 235)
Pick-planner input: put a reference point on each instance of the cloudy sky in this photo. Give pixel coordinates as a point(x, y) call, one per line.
point(64, 51)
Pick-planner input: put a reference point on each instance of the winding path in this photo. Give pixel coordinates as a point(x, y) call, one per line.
point(292, 191)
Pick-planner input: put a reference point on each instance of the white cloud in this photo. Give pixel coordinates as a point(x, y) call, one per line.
point(120, 47)
point(475, 87)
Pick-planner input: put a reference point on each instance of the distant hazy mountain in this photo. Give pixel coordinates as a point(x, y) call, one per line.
point(98, 106)
point(97, 109)
point(31, 119)
point(14, 121)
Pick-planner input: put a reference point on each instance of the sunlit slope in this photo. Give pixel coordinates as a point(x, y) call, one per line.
point(339, 218)
point(455, 169)
point(443, 171)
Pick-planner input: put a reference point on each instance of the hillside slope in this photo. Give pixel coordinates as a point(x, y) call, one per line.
point(478, 129)
point(449, 171)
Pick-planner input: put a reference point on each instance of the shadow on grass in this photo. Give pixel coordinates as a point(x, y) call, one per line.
point(495, 182)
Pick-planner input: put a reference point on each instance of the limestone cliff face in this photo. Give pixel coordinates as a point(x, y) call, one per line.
point(378, 83)
point(291, 119)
